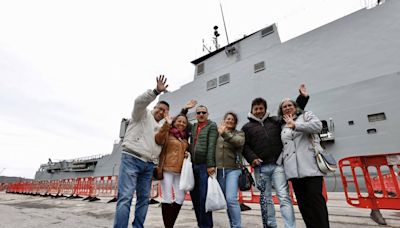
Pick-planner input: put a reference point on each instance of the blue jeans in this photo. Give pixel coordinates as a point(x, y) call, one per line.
point(266, 176)
point(199, 195)
point(134, 176)
point(228, 179)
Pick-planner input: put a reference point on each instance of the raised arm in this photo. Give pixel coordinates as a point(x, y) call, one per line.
point(190, 104)
point(236, 138)
point(303, 97)
point(162, 134)
point(142, 101)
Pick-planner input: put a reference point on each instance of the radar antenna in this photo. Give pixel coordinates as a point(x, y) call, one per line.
point(216, 35)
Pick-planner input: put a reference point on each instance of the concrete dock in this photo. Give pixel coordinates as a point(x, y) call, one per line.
point(19, 211)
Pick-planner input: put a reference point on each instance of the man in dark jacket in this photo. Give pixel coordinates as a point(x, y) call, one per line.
point(262, 148)
point(203, 142)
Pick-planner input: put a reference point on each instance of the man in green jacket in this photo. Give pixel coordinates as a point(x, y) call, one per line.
point(203, 144)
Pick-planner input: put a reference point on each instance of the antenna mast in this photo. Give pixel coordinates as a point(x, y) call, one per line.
point(223, 19)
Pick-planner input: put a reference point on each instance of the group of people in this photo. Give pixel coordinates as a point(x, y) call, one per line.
point(278, 147)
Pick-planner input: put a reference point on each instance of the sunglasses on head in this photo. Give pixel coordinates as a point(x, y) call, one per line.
point(198, 113)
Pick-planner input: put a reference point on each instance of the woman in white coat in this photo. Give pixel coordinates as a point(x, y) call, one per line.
point(300, 164)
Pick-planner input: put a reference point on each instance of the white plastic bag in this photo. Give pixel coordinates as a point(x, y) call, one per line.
point(215, 197)
point(186, 182)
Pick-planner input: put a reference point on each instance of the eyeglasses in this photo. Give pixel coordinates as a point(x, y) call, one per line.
point(199, 113)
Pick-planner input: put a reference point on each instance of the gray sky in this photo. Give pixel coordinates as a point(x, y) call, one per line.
point(70, 70)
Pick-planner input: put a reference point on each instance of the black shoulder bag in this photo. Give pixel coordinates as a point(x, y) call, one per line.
point(245, 179)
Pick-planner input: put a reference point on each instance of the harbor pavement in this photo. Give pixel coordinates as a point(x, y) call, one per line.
point(20, 211)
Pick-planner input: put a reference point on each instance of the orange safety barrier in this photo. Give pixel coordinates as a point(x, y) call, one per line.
point(54, 187)
point(254, 196)
point(13, 187)
point(34, 188)
point(378, 174)
point(105, 186)
point(155, 189)
point(43, 187)
point(187, 194)
point(67, 187)
point(83, 187)
point(3, 186)
point(388, 181)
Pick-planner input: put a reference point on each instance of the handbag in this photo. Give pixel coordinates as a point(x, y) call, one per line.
point(245, 179)
point(325, 161)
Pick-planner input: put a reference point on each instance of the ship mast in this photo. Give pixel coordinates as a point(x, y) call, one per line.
point(223, 19)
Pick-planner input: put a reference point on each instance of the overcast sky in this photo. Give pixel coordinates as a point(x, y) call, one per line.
point(70, 70)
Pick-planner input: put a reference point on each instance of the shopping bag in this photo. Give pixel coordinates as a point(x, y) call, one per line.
point(215, 197)
point(186, 182)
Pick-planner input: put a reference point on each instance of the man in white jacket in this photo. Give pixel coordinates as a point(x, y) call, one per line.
point(139, 156)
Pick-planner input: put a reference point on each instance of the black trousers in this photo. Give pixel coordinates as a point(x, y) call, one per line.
point(311, 202)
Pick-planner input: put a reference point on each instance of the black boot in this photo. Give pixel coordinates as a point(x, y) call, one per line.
point(176, 208)
point(167, 211)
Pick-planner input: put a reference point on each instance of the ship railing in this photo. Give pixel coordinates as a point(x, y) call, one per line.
point(89, 158)
point(379, 175)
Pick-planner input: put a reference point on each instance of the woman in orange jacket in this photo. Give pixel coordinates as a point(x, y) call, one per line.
point(173, 136)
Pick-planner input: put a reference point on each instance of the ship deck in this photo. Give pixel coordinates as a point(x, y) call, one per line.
point(35, 211)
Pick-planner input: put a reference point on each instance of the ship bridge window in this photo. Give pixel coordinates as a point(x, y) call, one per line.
point(200, 69)
point(259, 66)
point(223, 79)
point(212, 84)
point(376, 117)
point(266, 31)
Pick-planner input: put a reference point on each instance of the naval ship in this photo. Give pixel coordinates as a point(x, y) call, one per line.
point(351, 68)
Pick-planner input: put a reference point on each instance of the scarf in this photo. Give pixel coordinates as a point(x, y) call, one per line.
point(177, 133)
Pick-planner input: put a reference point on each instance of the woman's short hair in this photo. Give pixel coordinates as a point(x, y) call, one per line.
point(232, 114)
